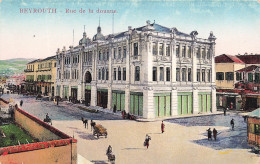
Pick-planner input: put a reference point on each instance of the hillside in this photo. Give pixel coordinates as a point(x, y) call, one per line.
point(13, 66)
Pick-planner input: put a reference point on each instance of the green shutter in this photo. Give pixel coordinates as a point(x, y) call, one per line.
point(118, 102)
point(113, 100)
point(204, 101)
point(184, 104)
point(132, 104)
point(200, 103)
point(161, 106)
point(123, 101)
point(140, 105)
point(136, 105)
point(190, 104)
point(156, 98)
point(179, 105)
point(168, 105)
point(208, 103)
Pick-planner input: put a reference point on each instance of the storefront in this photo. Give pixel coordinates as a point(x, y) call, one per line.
point(204, 102)
point(87, 95)
point(102, 97)
point(185, 103)
point(118, 100)
point(162, 104)
point(136, 103)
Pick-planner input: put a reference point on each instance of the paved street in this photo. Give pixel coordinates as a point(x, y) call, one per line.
point(184, 140)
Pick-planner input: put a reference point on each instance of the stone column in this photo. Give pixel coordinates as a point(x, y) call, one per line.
point(195, 100)
point(94, 79)
point(194, 79)
point(174, 97)
point(148, 100)
point(213, 91)
point(127, 99)
point(174, 101)
point(110, 78)
point(128, 75)
point(79, 96)
point(109, 97)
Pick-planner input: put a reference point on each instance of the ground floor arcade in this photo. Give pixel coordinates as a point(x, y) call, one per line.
point(142, 101)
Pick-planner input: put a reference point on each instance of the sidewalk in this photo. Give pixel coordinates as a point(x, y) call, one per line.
point(95, 109)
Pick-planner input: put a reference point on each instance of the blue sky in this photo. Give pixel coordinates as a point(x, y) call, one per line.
point(236, 24)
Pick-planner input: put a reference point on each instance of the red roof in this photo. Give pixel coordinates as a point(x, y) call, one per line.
point(248, 69)
point(227, 59)
point(250, 59)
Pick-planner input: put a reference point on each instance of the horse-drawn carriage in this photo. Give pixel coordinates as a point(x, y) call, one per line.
point(47, 120)
point(99, 130)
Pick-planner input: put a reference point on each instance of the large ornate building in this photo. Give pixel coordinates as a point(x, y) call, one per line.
point(150, 71)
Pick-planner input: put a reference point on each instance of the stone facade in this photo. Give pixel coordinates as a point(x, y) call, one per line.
point(150, 71)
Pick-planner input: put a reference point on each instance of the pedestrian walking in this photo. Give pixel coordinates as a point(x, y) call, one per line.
point(162, 127)
point(215, 134)
point(244, 118)
point(57, 100)
point(146, 142)
point(92, 124)
point(209, 134)
point(85, 122)
point(21, 103)
point(225, 110)
point(232, 123)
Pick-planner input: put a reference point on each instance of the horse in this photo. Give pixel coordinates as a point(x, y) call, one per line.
point(84, 121)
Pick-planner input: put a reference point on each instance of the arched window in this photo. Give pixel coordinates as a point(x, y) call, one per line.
point(107, 74)
point(119, 73)
point(137, 73)
point(88, 77)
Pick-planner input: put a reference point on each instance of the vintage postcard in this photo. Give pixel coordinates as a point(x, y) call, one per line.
point(129, 81)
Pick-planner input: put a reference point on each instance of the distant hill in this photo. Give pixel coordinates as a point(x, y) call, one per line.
point(13, 66)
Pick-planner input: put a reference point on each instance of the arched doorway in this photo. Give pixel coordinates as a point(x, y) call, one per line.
point(87, 80)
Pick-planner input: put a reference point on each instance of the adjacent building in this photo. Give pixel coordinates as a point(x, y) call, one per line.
point(149, 71)
point(41, 76)
point(237, 81)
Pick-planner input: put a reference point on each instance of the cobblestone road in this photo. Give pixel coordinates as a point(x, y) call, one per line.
point(184, 141)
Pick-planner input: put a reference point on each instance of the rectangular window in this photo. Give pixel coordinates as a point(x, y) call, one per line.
point(107, 74)
point(237, 76)
point(229, 75)
point(137, 73)
point(168, 50)
point(198, 75)
point(161, 74)
point(183, 74)
point(183, 51)
point(208, 53)
point(104, 55)
point(257, 78)
point(161, 49)
point(189, 51)
point(135, 49)
point(154, 73)
point(114, 53)
point(168, 74)
point(107, 54)
point(119, 52)
point(209, 78)
point(203, 53)
point(114, 73)
point(177, 51)
point(198, 53)
point(124, 74)
point(220, 75)
point(250, 77)
point(177, 74)
point(203, 75)
point(154, 49)
point(189, 74)
point(124, 53)
point(119, 73)
point(99, 55)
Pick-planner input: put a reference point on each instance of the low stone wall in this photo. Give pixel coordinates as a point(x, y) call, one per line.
point(55, 146)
